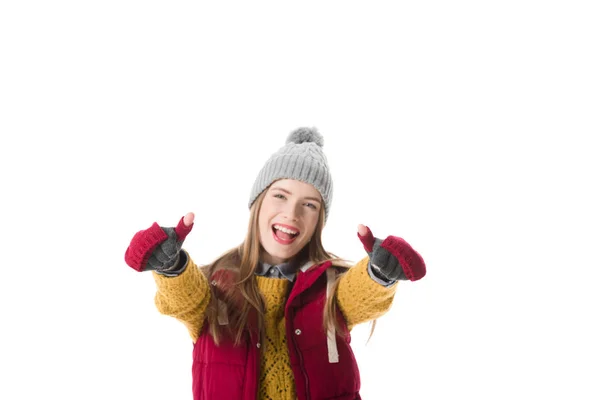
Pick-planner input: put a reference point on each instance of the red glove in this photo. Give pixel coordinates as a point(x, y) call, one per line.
point(147, 242)
point(394, 257)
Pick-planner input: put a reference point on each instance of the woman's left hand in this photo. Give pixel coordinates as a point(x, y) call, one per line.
point(394, 257)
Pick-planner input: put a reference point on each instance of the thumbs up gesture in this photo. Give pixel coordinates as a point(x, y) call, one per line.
point(394, 257)
point(157, 248)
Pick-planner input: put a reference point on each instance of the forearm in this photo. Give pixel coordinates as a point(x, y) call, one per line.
point(360, 297)
point(184, 296)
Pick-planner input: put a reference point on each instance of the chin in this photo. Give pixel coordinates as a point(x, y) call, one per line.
point(281, 255)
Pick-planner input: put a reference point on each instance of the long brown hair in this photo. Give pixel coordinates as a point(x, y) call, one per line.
point(244, 299)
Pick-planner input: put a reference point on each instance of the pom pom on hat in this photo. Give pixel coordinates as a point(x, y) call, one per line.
point(304, 135)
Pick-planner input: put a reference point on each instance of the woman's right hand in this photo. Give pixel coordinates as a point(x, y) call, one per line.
point(157, 248)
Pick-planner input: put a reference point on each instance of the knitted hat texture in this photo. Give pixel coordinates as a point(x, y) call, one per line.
point(301, 158)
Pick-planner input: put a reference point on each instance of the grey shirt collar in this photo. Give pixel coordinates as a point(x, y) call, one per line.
point(286, 270)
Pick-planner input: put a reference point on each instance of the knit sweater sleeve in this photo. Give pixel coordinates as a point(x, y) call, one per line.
point(360, 298)
point(184, 297)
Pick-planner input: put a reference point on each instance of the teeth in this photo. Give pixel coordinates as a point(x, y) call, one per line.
point(286, 230)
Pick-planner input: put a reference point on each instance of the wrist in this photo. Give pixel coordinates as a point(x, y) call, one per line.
point(178, 267)
point(378, 276)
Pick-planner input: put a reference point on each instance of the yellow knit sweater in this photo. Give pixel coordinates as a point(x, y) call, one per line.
point(185, 297)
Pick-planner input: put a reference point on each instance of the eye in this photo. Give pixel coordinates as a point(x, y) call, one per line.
point(279, 196)
point(311, 205)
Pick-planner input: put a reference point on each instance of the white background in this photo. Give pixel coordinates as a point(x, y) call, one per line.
point(468, 128)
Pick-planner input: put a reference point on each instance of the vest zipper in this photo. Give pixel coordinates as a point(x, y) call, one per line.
point(302, 367)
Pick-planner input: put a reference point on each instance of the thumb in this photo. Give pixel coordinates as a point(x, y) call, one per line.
point(366, 237)
point(184, 226)
point(188, 220)
point(362, 230)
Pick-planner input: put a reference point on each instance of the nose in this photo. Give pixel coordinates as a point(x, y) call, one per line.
point(291, 211)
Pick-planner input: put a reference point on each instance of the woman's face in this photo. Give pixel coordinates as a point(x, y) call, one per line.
point(287, 219)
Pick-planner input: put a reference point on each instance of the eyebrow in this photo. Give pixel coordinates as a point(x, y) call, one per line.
point(288, 192)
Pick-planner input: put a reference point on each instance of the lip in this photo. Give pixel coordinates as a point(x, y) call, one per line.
point(286, 226)
point(283, 241)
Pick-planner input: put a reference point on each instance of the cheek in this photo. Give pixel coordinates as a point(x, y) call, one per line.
point(262, 227)
point(268, 210)
point(312, 224)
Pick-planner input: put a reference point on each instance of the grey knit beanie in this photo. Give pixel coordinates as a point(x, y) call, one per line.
point(301, 158)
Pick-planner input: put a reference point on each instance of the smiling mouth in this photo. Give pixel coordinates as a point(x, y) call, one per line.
point(284, 237)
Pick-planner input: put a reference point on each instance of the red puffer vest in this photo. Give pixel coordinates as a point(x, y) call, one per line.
point(323, 369)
